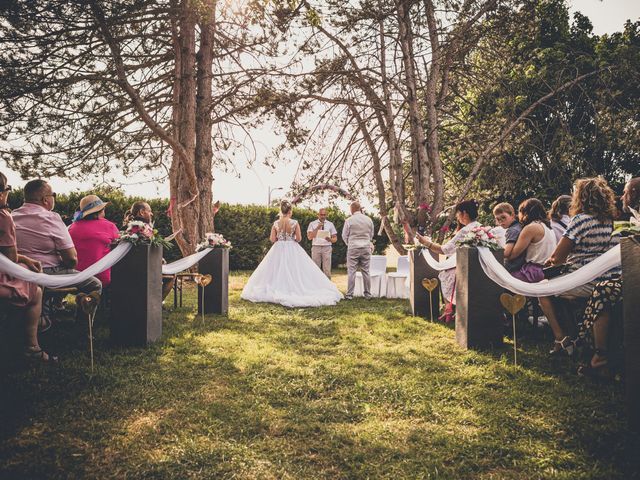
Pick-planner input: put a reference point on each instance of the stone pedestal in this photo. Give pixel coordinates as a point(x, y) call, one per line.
point(419, 269)
point(136, 297)
point(630, 252)
point(478, 309)
point(216, 294)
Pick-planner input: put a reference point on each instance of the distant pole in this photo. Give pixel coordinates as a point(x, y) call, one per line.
point(269, 194)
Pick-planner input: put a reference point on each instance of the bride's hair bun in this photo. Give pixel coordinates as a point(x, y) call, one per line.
point(285, 207)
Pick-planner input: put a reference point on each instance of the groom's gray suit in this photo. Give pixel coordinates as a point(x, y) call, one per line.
point(357, 233)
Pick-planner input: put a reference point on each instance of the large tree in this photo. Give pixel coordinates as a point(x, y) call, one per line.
point(88, 87)
point(584, 131)
point(403, 84)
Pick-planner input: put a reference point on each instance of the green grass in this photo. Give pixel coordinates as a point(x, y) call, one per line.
point(361, 390)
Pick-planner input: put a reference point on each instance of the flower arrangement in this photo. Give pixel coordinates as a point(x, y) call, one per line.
point(213, 240)
point(140, 233)
point(479, 237)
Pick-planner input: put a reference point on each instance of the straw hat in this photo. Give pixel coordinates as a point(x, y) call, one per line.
point(88, 205)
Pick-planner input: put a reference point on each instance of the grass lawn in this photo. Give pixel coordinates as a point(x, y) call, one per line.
point(361, 390)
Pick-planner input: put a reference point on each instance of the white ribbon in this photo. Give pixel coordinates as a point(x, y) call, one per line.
point(184, 263)
point(447, 264)
point(585, 274)
point(67, 279)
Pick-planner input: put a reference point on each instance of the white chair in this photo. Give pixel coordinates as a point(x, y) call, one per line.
point(378, 274)
point(397, 285)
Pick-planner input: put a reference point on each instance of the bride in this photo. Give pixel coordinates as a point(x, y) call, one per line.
point(287, 275)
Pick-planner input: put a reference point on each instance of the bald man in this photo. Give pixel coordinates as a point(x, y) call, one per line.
point(357, 233)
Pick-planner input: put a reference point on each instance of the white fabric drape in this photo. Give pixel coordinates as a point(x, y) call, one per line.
point(184, 263)
point(66, 280)
point(450, 262)
point(496, 272)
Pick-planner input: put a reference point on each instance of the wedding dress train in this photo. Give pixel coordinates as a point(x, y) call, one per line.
point(288, 276)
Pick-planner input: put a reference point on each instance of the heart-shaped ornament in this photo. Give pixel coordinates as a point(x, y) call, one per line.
point(88, 303)
point(204, 280)
point(430, 284)
point(512, 303)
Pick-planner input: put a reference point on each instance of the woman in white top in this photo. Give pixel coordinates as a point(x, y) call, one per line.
point(559, 215)
point(466, 214)
point(536, 240)
point(287, 275)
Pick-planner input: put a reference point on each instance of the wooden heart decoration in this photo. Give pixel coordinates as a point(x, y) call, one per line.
point(430, 284)
point(512, 303)
point(204, 280)
point(88, 303)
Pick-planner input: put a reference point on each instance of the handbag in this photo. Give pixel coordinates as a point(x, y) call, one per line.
point(555, 270)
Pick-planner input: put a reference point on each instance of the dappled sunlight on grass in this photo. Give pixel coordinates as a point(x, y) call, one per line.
point(359, 390)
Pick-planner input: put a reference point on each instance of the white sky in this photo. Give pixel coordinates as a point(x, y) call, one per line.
point(607, 16)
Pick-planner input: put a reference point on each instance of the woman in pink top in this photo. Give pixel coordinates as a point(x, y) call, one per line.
point(92, 235)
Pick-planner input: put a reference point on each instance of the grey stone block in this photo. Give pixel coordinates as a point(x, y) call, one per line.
point(136, 297)
point(419, 269)
point(478, 309)
point(630, 252)
point(216, 294)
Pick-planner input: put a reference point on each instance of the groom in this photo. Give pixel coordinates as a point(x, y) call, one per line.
point(357, 233)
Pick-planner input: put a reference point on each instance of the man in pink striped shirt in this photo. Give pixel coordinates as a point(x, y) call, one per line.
point(42, 235)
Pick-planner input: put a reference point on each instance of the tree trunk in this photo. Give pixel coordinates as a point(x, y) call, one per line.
point(204, 149)
point(421, 171)
point(185, 193)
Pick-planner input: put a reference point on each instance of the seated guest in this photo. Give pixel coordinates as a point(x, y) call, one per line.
point(505, 217)
point(559, 215)
point(536, 241)
point(466, 215)
point(25, 297)
point(92, 235)
point(139, 212)
point(42, 235)
point(605, 296)
point(588, 236)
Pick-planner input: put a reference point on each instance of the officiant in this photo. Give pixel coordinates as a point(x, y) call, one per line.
point(323, 235)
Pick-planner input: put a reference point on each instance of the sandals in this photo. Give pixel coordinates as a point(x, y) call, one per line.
point(40, 356)
point(566, 345)
point(599, 371)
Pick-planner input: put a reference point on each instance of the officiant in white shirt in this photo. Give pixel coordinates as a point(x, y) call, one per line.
point(323, 235)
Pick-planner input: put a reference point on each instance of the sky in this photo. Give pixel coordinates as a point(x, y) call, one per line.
point(255, 182)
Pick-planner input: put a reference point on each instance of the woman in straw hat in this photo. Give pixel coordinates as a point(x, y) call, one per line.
point(92, 234)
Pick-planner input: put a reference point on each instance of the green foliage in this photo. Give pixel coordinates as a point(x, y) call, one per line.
point(119, 203)
point(246, 226)
point(585, 130)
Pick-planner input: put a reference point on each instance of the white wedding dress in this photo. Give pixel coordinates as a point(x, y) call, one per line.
point(288, 276)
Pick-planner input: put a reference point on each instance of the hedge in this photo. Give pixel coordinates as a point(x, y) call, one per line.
point(246, 226)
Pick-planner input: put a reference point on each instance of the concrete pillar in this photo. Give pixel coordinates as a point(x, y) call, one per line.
point(136, 297)
point(478, 310)
point(419, 269)
point(216, 294)
point(630, 252)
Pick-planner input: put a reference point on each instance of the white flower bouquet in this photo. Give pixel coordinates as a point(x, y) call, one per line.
point(479, 237)
point(213, 240)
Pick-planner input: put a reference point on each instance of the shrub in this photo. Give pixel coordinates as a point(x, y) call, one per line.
point(246, 226)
